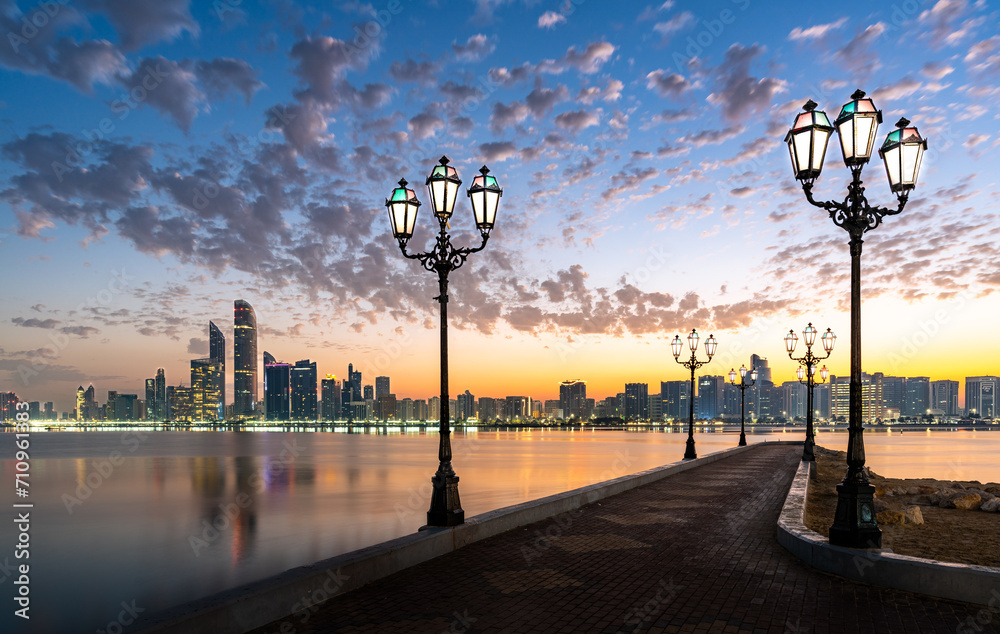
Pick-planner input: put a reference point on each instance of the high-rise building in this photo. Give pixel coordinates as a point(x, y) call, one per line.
point(179, 399)
point(330, 390)
point(205, 390)
point(304, 390)
point(382, 386)
point(50, 410)
point(944, 397)
point(517, 408)
point(150, 399)
point(90, 407)
point(369, 393)
point(385, 408)
point(125, 407)
point(655, 407)
point(675, 399)
point(573, 399)
point(489, 410)
point(8, 406)
point(710, 396)
point(217, 352)
point(821, 401)
point(434, 408)
point(160, 411)
point(636, 401)
point(918, 395)
point(420, 410)
point(277, 389)
point(553, 408)
point(465, 406)
point(794, 396)
point(981, 396)
point(244, 360)
point(893, 394)
point(871, 397)
point(110, 406)
point(81, 406)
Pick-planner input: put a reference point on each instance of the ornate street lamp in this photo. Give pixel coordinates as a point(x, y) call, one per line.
point(676, 347)
point(807, 376)
point(443, 186)
point(854, 523)
point(743, 385)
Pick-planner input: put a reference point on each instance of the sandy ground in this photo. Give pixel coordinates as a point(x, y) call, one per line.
point(967, 537)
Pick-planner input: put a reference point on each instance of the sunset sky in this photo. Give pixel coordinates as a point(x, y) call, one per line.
point(162, 158)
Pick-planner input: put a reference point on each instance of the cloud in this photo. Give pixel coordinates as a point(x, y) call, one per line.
point(587, 62)
point(942, 20)
point(421, 72)
point(474, 49)
point(504, 115)
point(80, 331)
point(713, 137)
point(33, 322)
point(424, 125)
point(612, 91)
point(197, 346)
point(858, 56)
point(577, 120)
point(815, 32)
point(224, 74)
point(677, 23)
point(509, 76)
point(628, 180)
point(550, 19)
point(936, 70)
point(667, 85)
point(322, 63)
point(541, 100)
point(737, 93)
point(497, 151)
point(143, 22)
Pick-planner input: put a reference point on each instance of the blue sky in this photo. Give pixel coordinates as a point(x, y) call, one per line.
point(203, 152)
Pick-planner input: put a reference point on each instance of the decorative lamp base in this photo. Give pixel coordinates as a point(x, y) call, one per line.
point(689, 452)
point(446, 508)
point(808, 450)
point(743, 439)
point(854, 524)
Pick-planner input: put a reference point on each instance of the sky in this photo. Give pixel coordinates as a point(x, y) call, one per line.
point(162, 158)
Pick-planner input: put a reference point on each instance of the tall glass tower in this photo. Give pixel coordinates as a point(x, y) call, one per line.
point(244, 359)
point(217, 353)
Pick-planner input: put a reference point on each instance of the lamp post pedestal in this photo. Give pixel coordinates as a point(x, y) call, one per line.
point(854, 522)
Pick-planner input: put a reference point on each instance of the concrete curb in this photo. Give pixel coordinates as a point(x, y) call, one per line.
point(289, 595)
point(958, 582)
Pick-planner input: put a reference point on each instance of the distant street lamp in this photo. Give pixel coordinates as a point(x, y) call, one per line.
point(442, 185)
point(743, 385)
point(809, 361)
point(854, 523)
point(676, 346)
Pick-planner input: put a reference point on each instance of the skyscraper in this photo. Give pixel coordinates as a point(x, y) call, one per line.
point(277, 389)
point(304, 390)
point(217, 352)
point(244, 359)
point(150, 399)
point(573, 399)
point(918, 395)
point(80, 403)
point(331, 398)
point(710, 393)
point(636, 401)
point(981, 396)
point(944, 397)
point(161, 396)
point(382, 387)
point(205, 389)
point(675, 399)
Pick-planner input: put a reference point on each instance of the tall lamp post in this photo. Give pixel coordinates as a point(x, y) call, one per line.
point(854, 523)
point(676, 347)
point(809, 373)
point(743, 385)
point(442, 185)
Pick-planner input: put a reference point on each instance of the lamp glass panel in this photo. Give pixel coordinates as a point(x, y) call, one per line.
point(676, 345)
point(753, 375)
point(910, 157)
point(846, 132)
point(732, 376)
point(892, 166)
point(864, 135)
point(802, 151)
point(743, 371)
point(439, 197)
point(820, 141)
point(800, 373)
point(710, 345)
point(693, 340)
point(810, 334)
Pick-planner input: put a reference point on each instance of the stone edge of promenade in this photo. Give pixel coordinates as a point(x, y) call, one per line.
point(286, 594)
point(958, 582)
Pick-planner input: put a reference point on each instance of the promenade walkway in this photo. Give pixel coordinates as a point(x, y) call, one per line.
point(694, 552)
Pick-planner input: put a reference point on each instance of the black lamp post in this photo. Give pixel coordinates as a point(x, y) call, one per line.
point(854, 523)
point(809, 374)
point(676, 345)
point(743, 385)
point(442, 185)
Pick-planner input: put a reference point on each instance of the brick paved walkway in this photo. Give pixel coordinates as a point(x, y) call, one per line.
point(694, 552)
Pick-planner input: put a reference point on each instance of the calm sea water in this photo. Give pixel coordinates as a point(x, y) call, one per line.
point(165, 517)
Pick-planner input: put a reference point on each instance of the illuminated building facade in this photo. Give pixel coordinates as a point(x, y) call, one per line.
point(244, 360)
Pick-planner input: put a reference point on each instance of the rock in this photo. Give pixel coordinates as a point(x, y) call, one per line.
point(899, 490)
point(881, 505)
point(913, 515)
point(890, 517)
point(966, 502)
point(879, 491)
point(992, 488)
point(991, 506)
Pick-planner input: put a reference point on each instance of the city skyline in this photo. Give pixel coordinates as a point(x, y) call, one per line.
point(185, 158)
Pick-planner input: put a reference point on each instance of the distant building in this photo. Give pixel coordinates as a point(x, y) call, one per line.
point(81, 403)
point(277, 389)
point(385, 408)
point(8, 406)
point(636, 401)
point(981, 396)
point(489, 409)
point(918, 396)
point(205, 404)
point(573, 399)
point(871, 398)
point(465, 406)
point(217, 353)
point(675, 396)
point(710, 396)
point(894, 393)
point(382, 387)
point(330, 390)
point(150, 399)
point(160, 403)
point(944, 397)
point(244, 360)
point(794, 396)
point(553, 408)
point(179, 399)
point(304, 390)
point(517, 408)
point(655, 407)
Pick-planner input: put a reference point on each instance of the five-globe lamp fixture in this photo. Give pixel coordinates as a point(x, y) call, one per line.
point(902, 152)
point(443, 186)
point(806, 373)
point(743, 385)
point(677, 346)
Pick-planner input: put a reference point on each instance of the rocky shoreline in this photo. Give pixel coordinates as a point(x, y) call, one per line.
point(956, 521)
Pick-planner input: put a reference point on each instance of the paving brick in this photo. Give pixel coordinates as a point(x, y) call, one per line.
point(694, 552)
